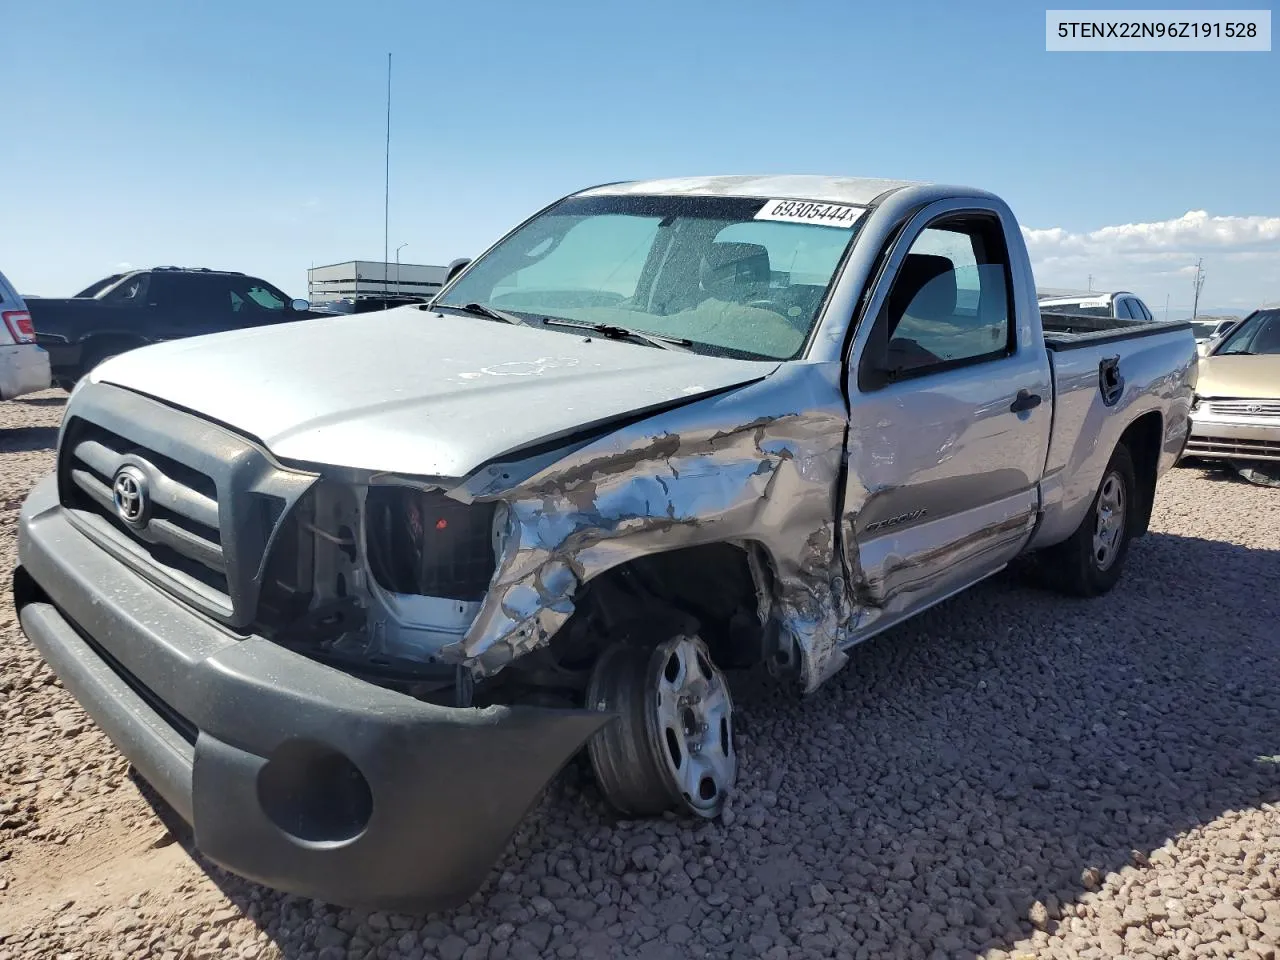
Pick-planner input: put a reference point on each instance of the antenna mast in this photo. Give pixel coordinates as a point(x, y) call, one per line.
point(386, 197)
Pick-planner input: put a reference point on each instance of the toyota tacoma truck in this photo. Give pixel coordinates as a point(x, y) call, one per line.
point(349, 593)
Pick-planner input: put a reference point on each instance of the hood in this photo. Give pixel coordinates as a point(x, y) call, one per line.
point(1249, 378)
point(414, 392)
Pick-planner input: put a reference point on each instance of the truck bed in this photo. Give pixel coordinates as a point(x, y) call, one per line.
point(1107, 373)
point(1067, 331)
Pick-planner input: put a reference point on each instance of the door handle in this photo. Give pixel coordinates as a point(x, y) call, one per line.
point(1025, 401)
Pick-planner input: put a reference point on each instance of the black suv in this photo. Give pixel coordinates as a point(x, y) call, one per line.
point(133, 309)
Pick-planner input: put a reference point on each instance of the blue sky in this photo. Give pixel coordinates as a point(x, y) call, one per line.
point(249, 136)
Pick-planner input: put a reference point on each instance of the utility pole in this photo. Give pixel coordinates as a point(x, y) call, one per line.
point(386, 198)
point(1166, 307)
point(1091, 283)
point(1198, 282)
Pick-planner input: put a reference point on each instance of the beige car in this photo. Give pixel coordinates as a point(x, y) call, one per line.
point(1236, 412)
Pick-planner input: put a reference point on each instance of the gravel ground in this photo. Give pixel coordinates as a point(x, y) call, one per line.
point(1012, 775)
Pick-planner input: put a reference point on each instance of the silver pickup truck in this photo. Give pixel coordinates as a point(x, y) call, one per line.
point(348, 593)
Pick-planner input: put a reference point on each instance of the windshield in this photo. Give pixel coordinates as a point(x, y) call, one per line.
point(716, 271)
point(1088, 308)
point(96, 288)
point(1258, 334)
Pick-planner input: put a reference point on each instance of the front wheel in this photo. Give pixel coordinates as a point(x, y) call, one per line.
point(1089, 562)
point(672, 744)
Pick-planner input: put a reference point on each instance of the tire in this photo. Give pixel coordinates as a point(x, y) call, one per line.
point(671, 747)
point(96, 355)
point(1090, 561)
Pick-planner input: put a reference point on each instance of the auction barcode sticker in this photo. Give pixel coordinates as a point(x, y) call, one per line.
point(809, 211)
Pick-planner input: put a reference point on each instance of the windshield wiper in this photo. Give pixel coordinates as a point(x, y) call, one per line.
point(482, 310)
point(621, 333)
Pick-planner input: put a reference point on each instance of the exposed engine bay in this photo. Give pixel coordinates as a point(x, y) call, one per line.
point(376, 579)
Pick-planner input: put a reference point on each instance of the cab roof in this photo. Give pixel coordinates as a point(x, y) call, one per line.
point(857, 190)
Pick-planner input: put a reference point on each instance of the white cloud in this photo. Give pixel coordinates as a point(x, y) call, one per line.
point(1157, 260)
point(1193, 230)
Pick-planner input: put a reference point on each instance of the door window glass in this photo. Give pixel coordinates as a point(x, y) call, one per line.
point(950, 300)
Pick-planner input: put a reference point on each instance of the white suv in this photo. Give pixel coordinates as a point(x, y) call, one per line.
point(24, 367)
point(1121, 303)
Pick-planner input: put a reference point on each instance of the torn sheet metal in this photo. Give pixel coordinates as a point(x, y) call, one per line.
point(759, 465)
point(1260, 472)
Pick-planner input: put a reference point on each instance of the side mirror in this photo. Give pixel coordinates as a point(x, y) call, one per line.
point(299, 305)
point(455, 268)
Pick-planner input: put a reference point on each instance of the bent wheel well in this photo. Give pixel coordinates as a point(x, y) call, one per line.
point(707, 588)
point(1143, 438)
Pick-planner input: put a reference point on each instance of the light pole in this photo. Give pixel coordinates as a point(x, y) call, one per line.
point(398, 249)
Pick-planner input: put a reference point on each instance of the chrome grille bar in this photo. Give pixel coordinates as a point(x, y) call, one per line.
point(165, 491)
point(1244, 408)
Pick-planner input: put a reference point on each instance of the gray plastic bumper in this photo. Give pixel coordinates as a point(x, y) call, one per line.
point(291, 773)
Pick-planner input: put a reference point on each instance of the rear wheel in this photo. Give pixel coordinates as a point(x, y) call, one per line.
point(672, 744)
point(1089, 562)
point(96, 355)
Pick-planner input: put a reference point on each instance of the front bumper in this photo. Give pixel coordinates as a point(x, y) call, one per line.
point(1254, 438)
point(290, 772)
point(24, 368)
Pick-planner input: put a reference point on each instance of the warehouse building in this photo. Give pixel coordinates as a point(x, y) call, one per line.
point(357, 278)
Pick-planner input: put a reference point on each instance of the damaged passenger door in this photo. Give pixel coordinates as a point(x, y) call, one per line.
point(950, 401)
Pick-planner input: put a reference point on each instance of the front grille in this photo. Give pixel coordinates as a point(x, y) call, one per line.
point(181, 534)
point(211, 500)
point(1229, 448)
point(1243, 408)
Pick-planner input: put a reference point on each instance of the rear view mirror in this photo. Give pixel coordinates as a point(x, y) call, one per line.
point(455, 268)
point(300, 306)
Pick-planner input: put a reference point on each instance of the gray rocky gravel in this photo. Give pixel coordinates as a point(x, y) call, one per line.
point(1012, 775)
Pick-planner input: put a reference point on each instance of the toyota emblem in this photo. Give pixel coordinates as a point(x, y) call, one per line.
point(1253, 408)
point(129, 493)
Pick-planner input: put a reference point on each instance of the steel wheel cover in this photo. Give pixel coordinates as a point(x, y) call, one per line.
point(1108, 531)
point(672, 745)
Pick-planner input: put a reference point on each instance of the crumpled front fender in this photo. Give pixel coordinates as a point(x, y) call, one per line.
point(760, 465)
